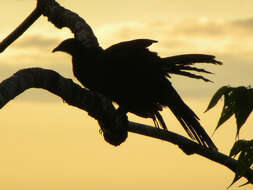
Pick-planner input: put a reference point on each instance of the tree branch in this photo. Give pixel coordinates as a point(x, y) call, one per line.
point(36, 13)
point(102, 110)
point(113, 124)
point(60, 17)
point(187, 144)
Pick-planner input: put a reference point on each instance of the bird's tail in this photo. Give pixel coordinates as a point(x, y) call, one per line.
point(182, 65)
point(188, 119)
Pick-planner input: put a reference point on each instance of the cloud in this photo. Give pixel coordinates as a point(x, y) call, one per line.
point(201, 35)
point(37, 42)
point(204, 27)
point(230, 41)
point(246, 24)
point(199, 28)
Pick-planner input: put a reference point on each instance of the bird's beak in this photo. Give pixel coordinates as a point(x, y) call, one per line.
point(55, 49)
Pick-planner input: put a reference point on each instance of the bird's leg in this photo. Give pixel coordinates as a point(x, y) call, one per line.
point(161, 121)
point(155, 122)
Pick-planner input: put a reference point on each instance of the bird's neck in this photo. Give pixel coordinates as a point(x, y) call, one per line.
point(86, 64)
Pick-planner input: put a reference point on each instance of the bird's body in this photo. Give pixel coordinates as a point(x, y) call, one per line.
point(137, 79)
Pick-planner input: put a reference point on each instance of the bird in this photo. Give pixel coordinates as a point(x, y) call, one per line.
point(137, 79)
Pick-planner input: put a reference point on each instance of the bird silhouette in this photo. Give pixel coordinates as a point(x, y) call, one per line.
point(136, 78)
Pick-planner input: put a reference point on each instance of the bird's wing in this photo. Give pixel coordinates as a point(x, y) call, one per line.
point(130, 65)
point(131, 57)
point(133, 44)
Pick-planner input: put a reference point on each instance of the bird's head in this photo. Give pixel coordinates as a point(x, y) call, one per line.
point(75, 47)
point(70, 46)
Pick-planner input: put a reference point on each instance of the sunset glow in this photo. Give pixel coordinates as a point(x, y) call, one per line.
point(47, 144)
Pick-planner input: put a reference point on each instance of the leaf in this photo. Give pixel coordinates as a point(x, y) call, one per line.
point(227, 111)
point(243, 106)
point(218, 94)
point(238, 101)
point(245, 159)
point(237, 147)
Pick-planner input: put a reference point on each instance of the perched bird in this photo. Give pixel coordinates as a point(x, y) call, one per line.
point(136, 79)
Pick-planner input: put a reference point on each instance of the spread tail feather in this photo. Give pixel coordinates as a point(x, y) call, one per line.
point(188, 119)
point(182, 65)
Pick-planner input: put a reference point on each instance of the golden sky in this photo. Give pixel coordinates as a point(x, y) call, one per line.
point(46, 144)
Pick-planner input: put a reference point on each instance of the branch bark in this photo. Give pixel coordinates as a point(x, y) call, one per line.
point(111, 122)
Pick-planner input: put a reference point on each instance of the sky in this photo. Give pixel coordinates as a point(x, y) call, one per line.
point(46, 144)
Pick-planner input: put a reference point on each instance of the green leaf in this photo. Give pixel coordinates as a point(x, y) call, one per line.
point(218, 94)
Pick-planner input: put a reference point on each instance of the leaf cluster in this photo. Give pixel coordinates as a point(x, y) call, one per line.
point(245, 158)
point(238, 101)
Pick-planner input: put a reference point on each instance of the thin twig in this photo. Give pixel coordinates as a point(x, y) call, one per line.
point(36, 13)
point(187, 144)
